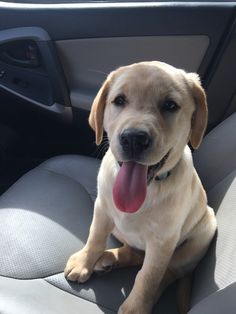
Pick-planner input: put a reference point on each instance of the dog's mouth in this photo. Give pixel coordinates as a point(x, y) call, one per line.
point(130, 187)
point(152, 170)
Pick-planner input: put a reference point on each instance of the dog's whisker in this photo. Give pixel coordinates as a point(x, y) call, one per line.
point(97, 71)
point(102, 148)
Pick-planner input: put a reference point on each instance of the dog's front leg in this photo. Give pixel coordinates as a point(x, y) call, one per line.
point(81, 264)
point(145, 291)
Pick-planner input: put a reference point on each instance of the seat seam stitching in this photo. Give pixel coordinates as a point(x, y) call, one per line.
point(83, 298)
point(68, 177)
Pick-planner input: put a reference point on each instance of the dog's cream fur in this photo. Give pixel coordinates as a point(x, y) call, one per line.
point(174, 225)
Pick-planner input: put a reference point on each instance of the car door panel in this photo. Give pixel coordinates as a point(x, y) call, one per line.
point(98, 37)
point(87, 62)
point(91, 39)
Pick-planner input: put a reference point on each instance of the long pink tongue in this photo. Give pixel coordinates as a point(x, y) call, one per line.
point(130, 187)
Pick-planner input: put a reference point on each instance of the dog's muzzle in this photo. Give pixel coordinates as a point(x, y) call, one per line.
point(134, 142)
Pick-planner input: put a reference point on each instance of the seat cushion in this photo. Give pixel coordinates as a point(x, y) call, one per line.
point(36, 296)
point(216, 156)
point(220, 302)
point(216, 164)
point(217, 270)
point(45, 217)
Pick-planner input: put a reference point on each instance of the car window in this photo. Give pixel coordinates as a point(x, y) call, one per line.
point(108, 1)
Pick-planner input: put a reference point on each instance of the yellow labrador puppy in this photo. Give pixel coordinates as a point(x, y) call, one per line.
point(149, 194)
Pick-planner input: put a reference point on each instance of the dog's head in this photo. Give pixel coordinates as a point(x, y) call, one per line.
point(150, 111)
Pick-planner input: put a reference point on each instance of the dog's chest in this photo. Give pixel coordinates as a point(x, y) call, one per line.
point(128, 231)
point(134, 229)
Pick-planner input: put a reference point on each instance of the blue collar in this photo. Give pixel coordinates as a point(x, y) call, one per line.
point(162, 176)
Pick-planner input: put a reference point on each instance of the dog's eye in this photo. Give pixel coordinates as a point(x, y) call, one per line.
point(170, 106)
point(120, 100)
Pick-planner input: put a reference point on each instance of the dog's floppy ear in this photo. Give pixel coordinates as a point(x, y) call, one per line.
point(200, 115)
point(97, 111)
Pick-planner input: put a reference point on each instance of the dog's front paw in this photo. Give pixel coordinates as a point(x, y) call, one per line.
point(79, 266)
point(131, 306)
point(105, 263)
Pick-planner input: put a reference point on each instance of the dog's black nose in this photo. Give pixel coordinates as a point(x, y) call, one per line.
point(134, 142)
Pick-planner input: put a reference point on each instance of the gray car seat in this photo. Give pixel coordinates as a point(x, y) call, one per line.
point(45, 217)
